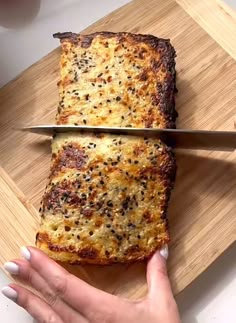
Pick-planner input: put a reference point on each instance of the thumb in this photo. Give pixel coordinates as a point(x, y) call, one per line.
point(157, 278)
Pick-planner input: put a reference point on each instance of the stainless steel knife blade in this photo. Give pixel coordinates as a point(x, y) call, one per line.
point(179, 138)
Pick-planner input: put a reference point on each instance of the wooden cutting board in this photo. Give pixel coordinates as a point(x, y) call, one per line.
point(202, 207)
point(18, 218)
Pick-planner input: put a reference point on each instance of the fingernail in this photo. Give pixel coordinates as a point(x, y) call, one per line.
point(11, 267)
point(25, 253)
point(164, 252)
point(10, 293)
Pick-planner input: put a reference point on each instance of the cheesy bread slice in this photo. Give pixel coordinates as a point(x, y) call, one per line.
point(107, 196)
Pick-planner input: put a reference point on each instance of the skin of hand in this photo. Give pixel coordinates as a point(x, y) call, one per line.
point(68, 299)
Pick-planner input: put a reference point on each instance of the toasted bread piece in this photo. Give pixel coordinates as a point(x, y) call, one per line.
point(107, 196)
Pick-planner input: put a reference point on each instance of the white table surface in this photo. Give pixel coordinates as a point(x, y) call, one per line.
point(209, 299)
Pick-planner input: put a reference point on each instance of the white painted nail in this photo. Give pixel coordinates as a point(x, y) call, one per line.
point(25, 253)
point(164, 252)
point(10, 293)
point(11, 267)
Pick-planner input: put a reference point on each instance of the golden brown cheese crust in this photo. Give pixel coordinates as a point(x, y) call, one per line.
point(118, 80)
point(107, 196)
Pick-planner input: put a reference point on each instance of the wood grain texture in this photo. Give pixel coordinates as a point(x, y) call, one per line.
point(202, 207)
point(217, 18)
point(19, 219)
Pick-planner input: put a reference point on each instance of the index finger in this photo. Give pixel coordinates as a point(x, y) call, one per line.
point(74, 291)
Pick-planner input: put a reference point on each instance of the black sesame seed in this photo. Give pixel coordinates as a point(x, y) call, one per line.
point(131, 225)
point(118, 98)
point(109, 203)
point(125, 203)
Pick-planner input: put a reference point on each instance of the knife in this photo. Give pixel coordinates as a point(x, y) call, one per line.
point(178, 138)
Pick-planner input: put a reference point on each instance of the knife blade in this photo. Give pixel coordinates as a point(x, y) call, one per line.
point(178, 138)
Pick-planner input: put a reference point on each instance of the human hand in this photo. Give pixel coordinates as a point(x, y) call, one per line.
point(68, 299)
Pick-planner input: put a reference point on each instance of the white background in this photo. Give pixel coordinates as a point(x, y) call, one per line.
point(212, 297)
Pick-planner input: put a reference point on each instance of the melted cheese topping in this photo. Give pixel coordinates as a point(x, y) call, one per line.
point(111, 83)
point(111, 201)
